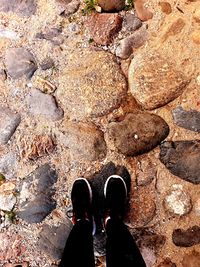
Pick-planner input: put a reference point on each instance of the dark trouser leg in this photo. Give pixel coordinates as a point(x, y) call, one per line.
point(79, 247)
point(121, 249)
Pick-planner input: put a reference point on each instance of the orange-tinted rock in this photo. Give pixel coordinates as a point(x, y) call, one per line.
point(165, 7)
point(155, 79)
point(142, 12)
point(174, 29)
point(103, 27)
point(142, 206)
point(191, 260)
point(196, 37)
point(114, 5)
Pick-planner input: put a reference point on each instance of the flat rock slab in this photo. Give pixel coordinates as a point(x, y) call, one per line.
point(36, 195)
point(103, 27)
point(186, 238)
point(43, 104)
point(85, 141)
point(138, 133)
point(20, 62)
point(21, 7)
point(9, 121)
point(91, 85)
point(52, 239)
point(187, 119)
point(155, 80)
point(182, 158)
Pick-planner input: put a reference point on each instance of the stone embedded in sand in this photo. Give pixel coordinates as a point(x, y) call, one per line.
point(191, 260)
point(175, 28)
point(8, 164)
point(39, 146)
point(166, 263)
point(155, 80)
point(36, 195)
point(182, 158)
point(21, 7)
point(12, 246)
point(103, 27)
point(146, 171)
point(68, 7)
point(114, 5)
point(9, 121)
point(138, 133)
point(132, 42)
point(196, 14)
point(197, 207)
point(187, 119)
point(91, 85)
point(195, 35)
point(177, 201)
point(85, 141)
point(165, 7)
point(20, 62)
point(131, 22)
point(142, 206)
point(52, 239)
point(142, 12)
point(186, 238)
point(43, 104)
point(7, 201)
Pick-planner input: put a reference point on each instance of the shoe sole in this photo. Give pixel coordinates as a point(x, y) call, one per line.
point(116, 177)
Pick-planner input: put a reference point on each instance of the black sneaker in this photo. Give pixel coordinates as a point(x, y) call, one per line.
point(115, 193)
point(81, 197)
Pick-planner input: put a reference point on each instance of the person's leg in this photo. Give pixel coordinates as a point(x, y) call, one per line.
point(79, 246)
point(121, 249)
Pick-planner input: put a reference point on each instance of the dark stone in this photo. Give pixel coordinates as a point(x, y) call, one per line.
point(138, 133)
point(21, 7)
point(186, 238)
point(20, 62)
point(36, 195)
point(52, 239)
point(9, 121)
point(151, 240)
point(182, 158)
point(187, 119)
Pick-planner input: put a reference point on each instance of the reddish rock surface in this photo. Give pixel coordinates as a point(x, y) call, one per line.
point(103, 27)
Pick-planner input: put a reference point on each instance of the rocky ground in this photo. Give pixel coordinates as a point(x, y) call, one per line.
point(91, 94)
